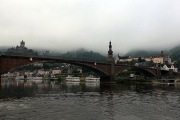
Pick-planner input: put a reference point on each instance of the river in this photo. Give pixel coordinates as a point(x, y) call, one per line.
point(35, 100)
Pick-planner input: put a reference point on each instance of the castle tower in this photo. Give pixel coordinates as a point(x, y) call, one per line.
point(110, 53)
point(22, 44)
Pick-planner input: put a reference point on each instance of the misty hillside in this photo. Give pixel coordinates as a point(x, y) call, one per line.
point(139, 53)
point(80, 54)
point(3, 48)
point(174, 53)
point(83, 54)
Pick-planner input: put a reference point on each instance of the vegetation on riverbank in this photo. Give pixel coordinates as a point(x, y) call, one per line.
point(178, 80)
point(140, 79)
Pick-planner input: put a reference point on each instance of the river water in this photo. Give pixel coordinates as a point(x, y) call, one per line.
point(35, 100)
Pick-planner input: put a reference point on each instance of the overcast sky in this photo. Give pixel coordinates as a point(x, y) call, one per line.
point(91, 24)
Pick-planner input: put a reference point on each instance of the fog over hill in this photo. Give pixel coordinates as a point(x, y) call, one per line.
point(90, 54)
point(67, 25)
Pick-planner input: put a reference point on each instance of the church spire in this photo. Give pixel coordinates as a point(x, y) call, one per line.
point(110, 53)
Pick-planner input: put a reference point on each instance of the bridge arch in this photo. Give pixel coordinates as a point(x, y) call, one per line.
point(146, 72)
point(89, 66)
point(8, 63)
point(94, 68)
point(104, 69)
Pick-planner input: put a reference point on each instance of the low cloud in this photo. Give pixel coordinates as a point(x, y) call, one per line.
point(67, 24)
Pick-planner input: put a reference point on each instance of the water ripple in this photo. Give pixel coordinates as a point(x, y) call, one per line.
point(96, 103)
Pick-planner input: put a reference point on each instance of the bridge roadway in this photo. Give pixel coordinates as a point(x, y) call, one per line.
point(106, 70)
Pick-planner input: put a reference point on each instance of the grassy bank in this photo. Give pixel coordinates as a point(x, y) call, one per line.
point(141, 79)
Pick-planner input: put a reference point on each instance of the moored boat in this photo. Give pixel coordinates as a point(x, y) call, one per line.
point(28, 78)
point(92, 79)
point(72, 79)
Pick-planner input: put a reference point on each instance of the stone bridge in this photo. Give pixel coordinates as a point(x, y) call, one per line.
point(106, 70)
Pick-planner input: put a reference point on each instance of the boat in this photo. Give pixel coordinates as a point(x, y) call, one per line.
point(34, 78)
point(72, 79)
point(92, 84)
point(168, 81)
point(19, 78)
point(28, 78)
point(72, 83)
point(92, 79)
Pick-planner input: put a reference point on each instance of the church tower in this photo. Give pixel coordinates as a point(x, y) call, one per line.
point(110, 53)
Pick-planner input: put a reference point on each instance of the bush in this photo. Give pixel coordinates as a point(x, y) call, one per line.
point(122, 79)
point(178, 80)
point(60, 79)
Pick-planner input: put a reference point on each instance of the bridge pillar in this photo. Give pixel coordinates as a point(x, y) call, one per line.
point(112, 68)
point(158, 72)
point(107, 79)
point(111, 77)
point(0, 81)
point(25, 78)
point(112, 74)
point(170, 73)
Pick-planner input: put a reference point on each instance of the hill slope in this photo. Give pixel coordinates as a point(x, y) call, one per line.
point(82, 54)
point(175, 53)
point(144, 53)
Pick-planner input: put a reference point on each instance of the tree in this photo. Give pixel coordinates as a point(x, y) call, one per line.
point(141, 60)
point(132, 62)
point(177, 63)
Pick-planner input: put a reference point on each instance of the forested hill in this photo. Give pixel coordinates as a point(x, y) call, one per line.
point(144, 53)
point(174, 53)
point(82, 54)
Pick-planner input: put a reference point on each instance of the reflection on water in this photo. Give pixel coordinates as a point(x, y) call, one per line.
point(20, 88)
point(91, 101)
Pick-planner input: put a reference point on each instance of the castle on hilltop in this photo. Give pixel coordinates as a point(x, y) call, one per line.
point(21, 50)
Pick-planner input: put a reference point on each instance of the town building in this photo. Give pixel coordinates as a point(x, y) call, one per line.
point(125, 59)
point(38, 64)
point(169, 67)
point(55, 71)
point(167, 60)
point(42, 72)
point(155, 59)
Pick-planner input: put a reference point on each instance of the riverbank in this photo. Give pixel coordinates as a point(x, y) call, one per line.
point(142, 80)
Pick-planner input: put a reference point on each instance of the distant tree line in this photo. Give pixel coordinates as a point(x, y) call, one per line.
point(84, 55)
